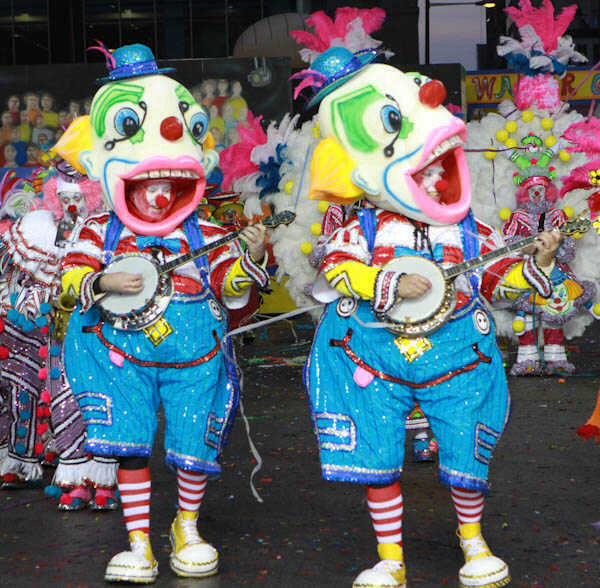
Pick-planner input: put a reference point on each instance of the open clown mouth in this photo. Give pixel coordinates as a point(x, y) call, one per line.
point(154, 195)
point(159, 194)
point(439, 177)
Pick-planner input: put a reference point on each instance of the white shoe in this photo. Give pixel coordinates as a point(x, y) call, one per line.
point(137, 566)
point(482, 569)
point(385, 574)
point(191, 556)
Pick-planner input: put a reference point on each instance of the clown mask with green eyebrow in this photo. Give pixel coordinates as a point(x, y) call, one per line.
point(388, 133)
point(146, 147)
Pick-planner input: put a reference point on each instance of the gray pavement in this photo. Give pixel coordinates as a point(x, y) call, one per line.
point(309, 533)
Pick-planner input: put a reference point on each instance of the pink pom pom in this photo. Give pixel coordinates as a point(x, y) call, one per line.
point(43, 352)
point(43, 374)
point(45, 397)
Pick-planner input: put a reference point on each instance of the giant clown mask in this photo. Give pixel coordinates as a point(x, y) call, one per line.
point(387, 138)
point(146, 140)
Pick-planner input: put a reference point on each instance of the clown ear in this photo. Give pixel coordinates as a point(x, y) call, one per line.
point(75, 140)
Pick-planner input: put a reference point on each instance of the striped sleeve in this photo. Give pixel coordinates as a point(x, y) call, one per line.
point(88, 250)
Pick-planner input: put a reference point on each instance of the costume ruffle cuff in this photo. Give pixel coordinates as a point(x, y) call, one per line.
point(88, 295)
point(386, 285)
point(537, 278)
point(256, 271)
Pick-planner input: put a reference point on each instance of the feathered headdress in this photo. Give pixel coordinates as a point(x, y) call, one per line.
point(258, 156)
point(544, 47)
point(338, 49)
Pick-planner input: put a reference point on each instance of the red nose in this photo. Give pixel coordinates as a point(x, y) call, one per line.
point(171, 129)
point(433, 93)
point(72, 209)
point(162, 202)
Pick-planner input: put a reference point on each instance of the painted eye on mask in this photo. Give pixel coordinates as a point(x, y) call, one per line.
point(199, 126)
point(391, 117)
point(127, 122)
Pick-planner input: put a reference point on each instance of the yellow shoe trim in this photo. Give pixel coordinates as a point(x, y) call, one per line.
point(470, 530)
point(141, 537)
point(187, 515)
point(390, 551)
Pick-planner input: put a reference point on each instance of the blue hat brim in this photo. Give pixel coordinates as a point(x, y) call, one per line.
point(161, 70)
point(366, 59)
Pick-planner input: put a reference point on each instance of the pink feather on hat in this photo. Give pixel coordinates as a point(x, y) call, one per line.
point(236, 161)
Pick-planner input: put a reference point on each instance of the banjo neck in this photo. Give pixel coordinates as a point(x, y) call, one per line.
point(281, 218)
point(172, 265)
point(476, 262)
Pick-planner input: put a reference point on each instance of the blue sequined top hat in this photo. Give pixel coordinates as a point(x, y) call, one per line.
point(336, 66)
point(132, 61)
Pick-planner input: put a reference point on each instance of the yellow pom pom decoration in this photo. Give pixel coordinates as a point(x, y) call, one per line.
point(504, 214)
point(564, 156)
point(323, 206)
point(528, 116)
point(316, 229)
point(569, 211)
point(577, 236)
point(596, 310)
point(502, 135)
point(518, 326)
point(490, 155)
point(289, 186)
point(512, 126)
point(547, 124)
point(550, 141)
point(511, 143)
point(306, 248)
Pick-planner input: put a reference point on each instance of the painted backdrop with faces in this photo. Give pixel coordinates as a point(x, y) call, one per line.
point(148, 128)
point(391, 125)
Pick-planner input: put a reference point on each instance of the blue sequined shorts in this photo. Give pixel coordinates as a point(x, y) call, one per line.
point(121, 378)
point(364, 382)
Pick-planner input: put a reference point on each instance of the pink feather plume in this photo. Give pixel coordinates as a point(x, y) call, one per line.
point(584, 137)
point(236, 161)
point(548, 27)
point(580, 179)
point(110, 60)
point(330, 32)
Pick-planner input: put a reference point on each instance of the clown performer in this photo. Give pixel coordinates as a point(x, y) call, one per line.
point(519, 162)
point(147, 140)
point(386, 137)
point(17, 198)
point(79, 480)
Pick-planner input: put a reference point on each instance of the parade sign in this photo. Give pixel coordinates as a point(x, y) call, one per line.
point(491, 87)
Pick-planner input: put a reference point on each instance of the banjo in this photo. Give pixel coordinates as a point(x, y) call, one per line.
point(422, 316)
point(135, 312)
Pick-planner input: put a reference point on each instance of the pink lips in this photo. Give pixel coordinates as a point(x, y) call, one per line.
point(444, 213)
point(180, 213)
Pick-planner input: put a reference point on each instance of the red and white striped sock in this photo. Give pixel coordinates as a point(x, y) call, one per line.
point(386, 507)
point(135, 489)
point(191, 487)
point(469, 505)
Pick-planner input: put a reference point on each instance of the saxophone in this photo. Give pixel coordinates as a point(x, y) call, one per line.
point(63, 309)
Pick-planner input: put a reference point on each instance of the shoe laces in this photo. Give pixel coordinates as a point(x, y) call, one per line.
point(190, 532)
point(388, 565)
point(140, 546)
point(475, 547)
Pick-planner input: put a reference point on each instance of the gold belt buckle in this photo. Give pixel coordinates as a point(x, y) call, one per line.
point(413, 348)
point(159, 332)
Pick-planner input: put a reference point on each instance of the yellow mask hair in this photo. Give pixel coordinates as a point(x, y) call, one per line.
point(331, 174)
point(75, 140)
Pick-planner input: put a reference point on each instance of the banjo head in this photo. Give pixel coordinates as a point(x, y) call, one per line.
point(421, 316)
point(121, 304)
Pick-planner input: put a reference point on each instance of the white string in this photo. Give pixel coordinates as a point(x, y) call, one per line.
point(253, 450)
